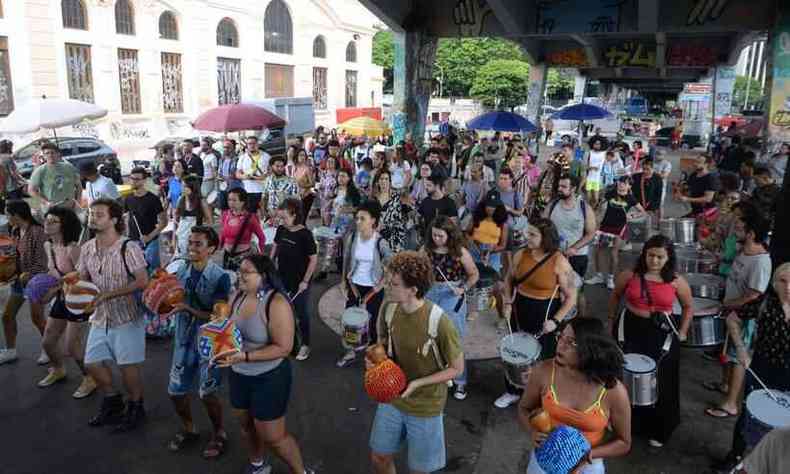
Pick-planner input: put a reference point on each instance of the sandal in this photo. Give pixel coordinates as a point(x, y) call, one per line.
point(182, 440)
point(215, 447)
point(715, 387)
point(719, 412)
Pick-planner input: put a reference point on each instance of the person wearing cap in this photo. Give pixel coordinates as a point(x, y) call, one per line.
point(96, 185)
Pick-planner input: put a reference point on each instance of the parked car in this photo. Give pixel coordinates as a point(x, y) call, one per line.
point(664, 138)
point(75, 150)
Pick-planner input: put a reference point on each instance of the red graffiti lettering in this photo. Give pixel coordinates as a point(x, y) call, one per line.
point(692, 55)
point(573, 57)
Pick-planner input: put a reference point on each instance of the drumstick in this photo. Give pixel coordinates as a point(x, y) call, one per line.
point(770, 394)
point(548, 308)
point(460, 298)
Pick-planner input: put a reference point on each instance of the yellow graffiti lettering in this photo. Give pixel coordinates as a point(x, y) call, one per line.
point(781, 118)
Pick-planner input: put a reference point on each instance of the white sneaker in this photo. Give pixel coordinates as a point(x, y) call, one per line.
point(610, 282)
point(7, 355)
point(596, 279)
point(655, 443)
point(460, 392)
point(627, 247)
point(304, 353)
point(43, 359)
point(506, 400)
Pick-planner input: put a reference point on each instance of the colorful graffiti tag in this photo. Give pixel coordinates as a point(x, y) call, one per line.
point(470, 16)
point(568, 58)
point(693, 55)
point(630, 54)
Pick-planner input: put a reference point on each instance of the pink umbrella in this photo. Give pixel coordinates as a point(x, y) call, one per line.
point(236, 118)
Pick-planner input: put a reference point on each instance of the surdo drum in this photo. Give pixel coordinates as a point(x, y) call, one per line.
point(763, 414)
point(708, 328)
point(519, 352)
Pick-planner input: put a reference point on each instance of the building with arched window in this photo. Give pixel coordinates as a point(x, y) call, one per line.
point(156, 64)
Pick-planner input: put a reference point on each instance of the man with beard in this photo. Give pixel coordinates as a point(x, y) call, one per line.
point(117, 332)
point(702, 187)
point(277, 188)
point(206, 283)
point(191, 162)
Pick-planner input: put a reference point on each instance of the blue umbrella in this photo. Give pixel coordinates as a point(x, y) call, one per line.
point(500, 121)
point(581, 112)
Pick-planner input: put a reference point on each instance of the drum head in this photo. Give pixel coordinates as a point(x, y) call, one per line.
point(519, 348)
point(355, 317)
point(175, 266)
point(702, 307)
point(212, 197)
point(638, 363)
point(324, 232)
point(761, 406)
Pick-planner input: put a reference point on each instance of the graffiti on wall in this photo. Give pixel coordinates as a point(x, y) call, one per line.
point(630, 54)
point(470, 16)
point(398, 125)
point(705, 11)
point(125, 131)
point(567, 58)
point(580, 16)
point(692, 55)
point(85, 129)
point(725, 83)
point(780, 91)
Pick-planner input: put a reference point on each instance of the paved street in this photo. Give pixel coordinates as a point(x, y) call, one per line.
point(46, 431)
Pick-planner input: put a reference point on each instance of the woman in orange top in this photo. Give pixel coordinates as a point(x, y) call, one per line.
point(579, 388)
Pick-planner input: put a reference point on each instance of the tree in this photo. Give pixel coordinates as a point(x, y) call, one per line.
point(501, 83)
point(384, 56)
point(740, 99)
point(560, 84)
point(458, 61)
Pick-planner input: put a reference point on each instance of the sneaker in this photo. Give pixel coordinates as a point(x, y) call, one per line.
point(87, 387)
point(43, 359)
point(596, 279)
point(460, 392)
point(54, 376)
point(506, 400)
point(347, 359)
point(304, 353)
point(655, 443)
point(7, 355)
point(610, 282)
point(111, 411)
point(264, 468)
point(627, 247)
point(135, 414)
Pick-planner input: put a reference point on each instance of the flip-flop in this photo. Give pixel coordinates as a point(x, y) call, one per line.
point(182, 440)
point(215, 447)
point(718, 412)
point(714, 387)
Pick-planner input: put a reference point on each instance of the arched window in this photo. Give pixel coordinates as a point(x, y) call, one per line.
point(74, 15)
point(227, 34)
point(277, 29)
point(168, 27)
point(124, 18)
point(319, 47)
point(351, 52)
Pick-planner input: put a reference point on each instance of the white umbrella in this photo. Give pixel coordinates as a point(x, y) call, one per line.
point(51, 114)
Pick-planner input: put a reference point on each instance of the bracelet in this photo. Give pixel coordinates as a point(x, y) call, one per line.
point(246, 357)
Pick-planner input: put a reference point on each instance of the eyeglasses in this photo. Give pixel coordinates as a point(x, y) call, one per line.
point(247, 272)
point(52, 221)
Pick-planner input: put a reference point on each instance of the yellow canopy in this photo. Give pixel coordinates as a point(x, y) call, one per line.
point(364, 125)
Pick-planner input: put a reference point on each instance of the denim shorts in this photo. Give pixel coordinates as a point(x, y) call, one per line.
point(443, 295)
point(424, 437)
point(125, 344)
point(187, 366)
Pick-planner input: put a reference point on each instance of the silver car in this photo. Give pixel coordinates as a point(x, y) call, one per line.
point(75, 150)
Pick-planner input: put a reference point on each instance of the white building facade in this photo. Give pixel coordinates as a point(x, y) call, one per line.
point(156, 64)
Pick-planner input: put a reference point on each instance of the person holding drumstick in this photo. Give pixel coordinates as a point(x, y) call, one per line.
point(544, 292)
point(771, 359)
point(579, 388)
point(649, 292)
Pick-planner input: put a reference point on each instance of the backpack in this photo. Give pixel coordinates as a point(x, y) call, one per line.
point(582, 208)
point(155, 326)
point(297, 342)
point(433, 331)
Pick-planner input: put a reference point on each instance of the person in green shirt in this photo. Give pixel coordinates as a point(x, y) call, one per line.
point(404, 328)
point(57, 183)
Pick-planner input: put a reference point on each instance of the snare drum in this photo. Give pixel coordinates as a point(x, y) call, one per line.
point(639, 230)
point(479, 297)
point(8, 267)
point(693, 261)
point(706, 285)
point(640, 379)
point(355, 327)
point(519, 352)
point(708, 328)
point(328, 243)
point(666, 227)
point(763, 414)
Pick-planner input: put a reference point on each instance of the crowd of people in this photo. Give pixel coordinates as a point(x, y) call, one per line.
point(434, 226)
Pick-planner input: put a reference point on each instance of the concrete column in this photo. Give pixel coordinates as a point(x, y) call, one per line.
point(723, 85)
point(415, 53)
point(578, 88)
point(778, 130)
point(537, 87)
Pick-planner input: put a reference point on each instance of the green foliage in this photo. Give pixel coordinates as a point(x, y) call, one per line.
point(458, 61)
point(739, 96)
point(501, 83)
point(383, 50)
point(560, 84)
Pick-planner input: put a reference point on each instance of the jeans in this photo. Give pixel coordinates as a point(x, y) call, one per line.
point(300, 307)
point(443, 295)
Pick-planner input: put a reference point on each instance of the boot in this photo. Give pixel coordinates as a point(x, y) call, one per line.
point(135, 414)
point(111, 411)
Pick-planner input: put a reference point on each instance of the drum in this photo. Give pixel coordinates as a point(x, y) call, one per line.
point(686, 231)
point(216, 337)
point(708, 328)
point(212, 197)
point(479, 297)
point(639, 230)
point(8, 268)
point(694, 261)
point(706, 286)
point(641, 380)
point(80, 296)
point(355, 327)
point(328, 243)
point(666, 227)
point(519, 352)
point(605, 240)
point(763, 414)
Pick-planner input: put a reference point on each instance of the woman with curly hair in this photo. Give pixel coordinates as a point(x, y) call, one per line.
point(454, 273)
point(579, 388)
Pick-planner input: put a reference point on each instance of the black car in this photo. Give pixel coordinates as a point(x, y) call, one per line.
point(664, 138)
point(75, 150)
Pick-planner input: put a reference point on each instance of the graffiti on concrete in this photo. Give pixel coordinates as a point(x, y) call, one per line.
point(692, 55)
point(782, 64)
point(228, 81)
point(706, 11)
point(171, 87)
point(470, 16)
point(85, 129)
point(579, 16)
point(568, 58)
point(124, 131)
point(630, 54)
point(603, 24)
point(398, 125)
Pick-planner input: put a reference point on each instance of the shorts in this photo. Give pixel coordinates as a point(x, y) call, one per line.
point(187, 365)
point(124, 344)
point(579, 264)
point(264, 396)
point(17, 288)
point(60, 311)
point(593, 186)
point(424, 437)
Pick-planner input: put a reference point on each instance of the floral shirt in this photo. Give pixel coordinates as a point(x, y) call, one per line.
point(277, 189)
point(773, 329)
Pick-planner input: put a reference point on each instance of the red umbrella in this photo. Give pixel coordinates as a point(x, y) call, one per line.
point(237, 117)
